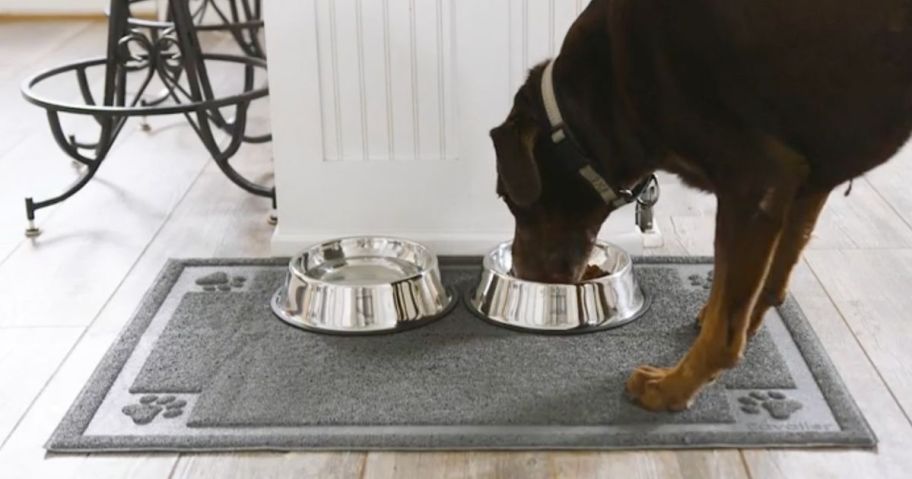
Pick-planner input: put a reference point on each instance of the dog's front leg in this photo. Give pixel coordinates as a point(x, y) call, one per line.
point(799, 225)
point(746, 237)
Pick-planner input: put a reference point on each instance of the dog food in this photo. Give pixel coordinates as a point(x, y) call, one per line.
point(593, 272)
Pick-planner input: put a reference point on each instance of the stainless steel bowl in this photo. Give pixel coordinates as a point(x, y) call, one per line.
point(601, 303)
point(362, 286)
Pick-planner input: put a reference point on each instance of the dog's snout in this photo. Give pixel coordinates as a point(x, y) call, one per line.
point(550, 260)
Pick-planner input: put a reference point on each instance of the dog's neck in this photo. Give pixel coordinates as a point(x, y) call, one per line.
point(590, 104)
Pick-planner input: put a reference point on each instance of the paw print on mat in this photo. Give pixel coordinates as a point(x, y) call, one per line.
point(221, 282)
point(151, 405)
point(777, 404)
point(704, 281)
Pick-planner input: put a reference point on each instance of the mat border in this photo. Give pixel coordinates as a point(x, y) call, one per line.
point(68, 436)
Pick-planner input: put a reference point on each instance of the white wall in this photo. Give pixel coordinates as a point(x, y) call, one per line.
point(52, 6)
point(62, 7)
point(381, 111)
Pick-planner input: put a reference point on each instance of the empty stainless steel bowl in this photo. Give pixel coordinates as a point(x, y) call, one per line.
point(362, 286)
point(600, 303)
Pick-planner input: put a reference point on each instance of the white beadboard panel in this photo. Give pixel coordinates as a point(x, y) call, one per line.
point(386, 79)
point(400, 78)
point(327, 66)
point(373, 101)
point(374, 78)
point(346, 118)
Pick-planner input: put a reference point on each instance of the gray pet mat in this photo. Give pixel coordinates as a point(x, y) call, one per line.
point(204, 366)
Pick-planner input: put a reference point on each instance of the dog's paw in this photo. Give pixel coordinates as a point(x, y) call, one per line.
point(151, 405)
point(220, 281)
point(655, 389)
point(776, 404)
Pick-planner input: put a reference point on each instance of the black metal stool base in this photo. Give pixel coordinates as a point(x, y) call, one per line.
point(169, 51)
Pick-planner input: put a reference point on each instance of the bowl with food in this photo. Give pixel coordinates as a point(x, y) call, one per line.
point(607, 297)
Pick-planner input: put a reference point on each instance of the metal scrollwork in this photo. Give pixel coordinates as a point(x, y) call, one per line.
point(170, 51)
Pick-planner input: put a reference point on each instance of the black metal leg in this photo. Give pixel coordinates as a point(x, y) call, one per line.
point(31, 231)
point(170, 51)
point(31, 206)
point(198, 79)
point(114, 95)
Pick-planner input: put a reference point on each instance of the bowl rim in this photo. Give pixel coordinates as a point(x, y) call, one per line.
point(301, 275)
point(626, 269)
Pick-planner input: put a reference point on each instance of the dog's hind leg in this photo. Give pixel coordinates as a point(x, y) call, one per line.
point(799, 225)
point(747, 233)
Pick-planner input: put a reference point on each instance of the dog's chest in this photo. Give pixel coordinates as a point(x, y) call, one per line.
point(689, 172)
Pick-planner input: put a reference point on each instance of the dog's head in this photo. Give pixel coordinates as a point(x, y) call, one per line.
point(558, 215)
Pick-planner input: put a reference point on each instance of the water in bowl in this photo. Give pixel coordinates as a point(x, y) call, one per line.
point(364, 271)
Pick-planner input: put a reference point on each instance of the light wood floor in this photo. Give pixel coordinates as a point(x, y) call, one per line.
point(65, 296)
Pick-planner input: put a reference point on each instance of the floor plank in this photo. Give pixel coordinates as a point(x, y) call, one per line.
point(864, 220)
point(688, 201)
point(214, 219)
point(23, 455)
point(671, 244)
point(88, 248)
point(383, 465)
point(273, 466)
point(26, 47)
point(861, 220)
point(871, 290)
point(28, 153)
point(35, 52)
point(892, 458)
point(119, 466)
point(694, 233)
point(651, 465)
point(891, 181)
point(28, 356)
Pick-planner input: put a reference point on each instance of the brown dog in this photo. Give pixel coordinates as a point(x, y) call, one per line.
point(768, 104)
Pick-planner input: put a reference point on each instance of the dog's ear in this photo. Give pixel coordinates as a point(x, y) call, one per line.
point(516, 167)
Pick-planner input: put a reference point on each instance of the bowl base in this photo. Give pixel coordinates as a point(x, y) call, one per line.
point(585, 329)
point(279, 312)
